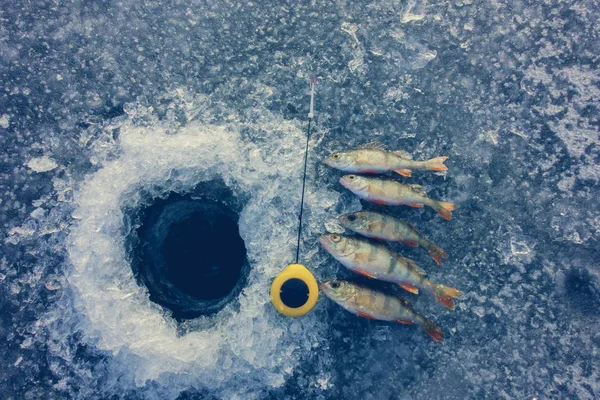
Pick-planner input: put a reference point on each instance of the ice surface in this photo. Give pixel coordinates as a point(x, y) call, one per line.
point(106, 104)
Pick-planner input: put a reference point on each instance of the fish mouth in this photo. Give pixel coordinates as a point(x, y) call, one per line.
point(325, 242)
point(329, 161)
point(337, 163)
point(325, 288)
point(354, 184)
point(343, 220)
point(345, 181)
point(352, 221)
point(328, 245)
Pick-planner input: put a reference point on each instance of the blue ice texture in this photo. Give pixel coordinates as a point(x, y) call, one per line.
point(107, 105)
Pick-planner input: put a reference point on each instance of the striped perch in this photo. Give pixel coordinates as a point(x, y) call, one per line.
point(372, 304)
point(392, 193)
point(379, 262)
point(386, 227)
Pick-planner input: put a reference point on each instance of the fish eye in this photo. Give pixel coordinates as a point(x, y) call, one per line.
point(335, 285)
point(351, 177)
point(335, 238)
point(352, 218)
point(336, 155)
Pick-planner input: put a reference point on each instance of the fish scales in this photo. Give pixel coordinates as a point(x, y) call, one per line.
point(379, 262)
point(386, 227)
point(372, 304)
point(388, 192)
point(372, 158)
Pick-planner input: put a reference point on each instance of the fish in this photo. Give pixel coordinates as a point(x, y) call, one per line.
point(392, 193)
point(368, 303)
point(372, 158)
point(386, 227)
point(378, 262)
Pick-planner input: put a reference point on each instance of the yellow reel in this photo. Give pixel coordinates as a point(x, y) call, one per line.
point(294, 292)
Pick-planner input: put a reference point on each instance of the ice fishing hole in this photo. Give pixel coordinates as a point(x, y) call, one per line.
point(188, 252)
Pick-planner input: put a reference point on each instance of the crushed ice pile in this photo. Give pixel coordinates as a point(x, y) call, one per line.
point(107, 105)
point(116, 310)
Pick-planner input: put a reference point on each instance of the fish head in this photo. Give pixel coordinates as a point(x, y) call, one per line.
point(355, 221)
point(338, 291)
point(356, 183)
point(340, 160)
point(337, 245)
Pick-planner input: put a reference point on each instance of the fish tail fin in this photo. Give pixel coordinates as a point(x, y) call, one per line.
point(445, 209)
point(430, 328)
point(436, 252)
point(436, 164)
point(446, 294)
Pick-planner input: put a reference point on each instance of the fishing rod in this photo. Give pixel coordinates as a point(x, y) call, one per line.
point(311, 115)
point(294, 291)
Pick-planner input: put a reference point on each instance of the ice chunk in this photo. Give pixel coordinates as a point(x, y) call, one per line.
point(42, 164)
point(4, 121)
point(479, 311)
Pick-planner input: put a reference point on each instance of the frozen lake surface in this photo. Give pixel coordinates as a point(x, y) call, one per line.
point(107, 106)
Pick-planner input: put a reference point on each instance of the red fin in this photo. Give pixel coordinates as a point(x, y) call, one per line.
point(380, 202)
point(365, 273)
point(408, 287)
point(445, 209)
point(404, 321)
point(416, 205)
point(433, 330)
point(403, 172)
point(365, 315)
point(378, 237)
point(437, 259)
point(437, 253)
point(446, 301)
point(411, 243)
point(437, 164)
point(445, 294)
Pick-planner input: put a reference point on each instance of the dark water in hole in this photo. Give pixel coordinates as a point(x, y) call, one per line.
point(204, 254)
point(189, 254)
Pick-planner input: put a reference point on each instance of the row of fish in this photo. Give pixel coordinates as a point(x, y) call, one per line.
point(378, 261)
point(372, 159)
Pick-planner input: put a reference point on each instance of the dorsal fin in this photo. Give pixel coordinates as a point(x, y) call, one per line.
point(415, 267)
point(418, 188)
point(405, 302)
point(403, 154)
point(372, 145)
point(413, 226)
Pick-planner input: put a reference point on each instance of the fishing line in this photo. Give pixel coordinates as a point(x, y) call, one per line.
point(310, 118)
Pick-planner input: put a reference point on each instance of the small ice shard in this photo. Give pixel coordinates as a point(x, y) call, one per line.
point(38, 213)
point(54, 283)
point(412, 13)
point(42, 164)
point(4, 121)
point(519, 248)
point(423, 59)
point(480, 311)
